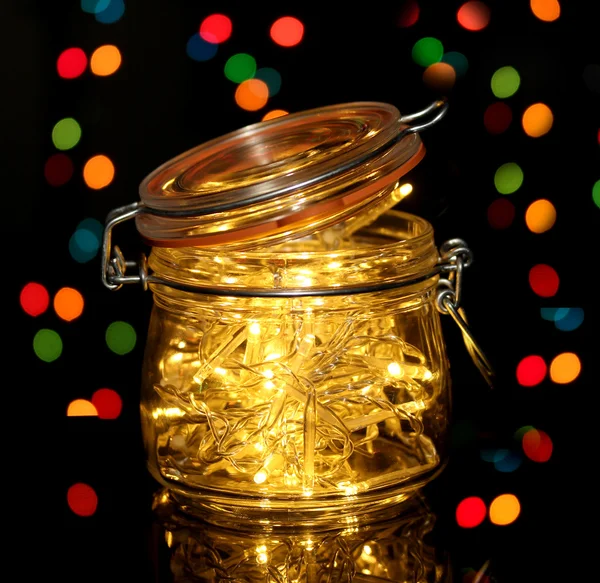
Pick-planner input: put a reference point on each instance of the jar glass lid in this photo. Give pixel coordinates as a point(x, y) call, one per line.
point(278, 180)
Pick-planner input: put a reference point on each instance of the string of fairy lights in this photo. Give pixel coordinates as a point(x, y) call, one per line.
point(252, 88)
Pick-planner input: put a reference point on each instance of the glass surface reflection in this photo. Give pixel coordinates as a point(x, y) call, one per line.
point(397, 549)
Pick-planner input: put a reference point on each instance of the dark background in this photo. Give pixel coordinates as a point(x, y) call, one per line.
point(160, 103)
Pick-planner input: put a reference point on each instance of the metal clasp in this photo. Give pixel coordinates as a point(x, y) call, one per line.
point(439, 107)
point(455, 256)
point(114, 265)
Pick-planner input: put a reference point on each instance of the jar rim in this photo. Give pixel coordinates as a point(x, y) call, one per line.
point(278, 179)
point(409, 255)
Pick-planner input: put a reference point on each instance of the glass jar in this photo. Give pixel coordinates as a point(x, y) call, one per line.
point(295, 368)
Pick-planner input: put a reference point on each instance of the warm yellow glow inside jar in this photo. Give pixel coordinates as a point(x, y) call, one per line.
point(313, 406)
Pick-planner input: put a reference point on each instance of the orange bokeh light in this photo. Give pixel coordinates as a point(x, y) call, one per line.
point(98, 172)
point(252, 94)
point(274, 113)
point(546, 10)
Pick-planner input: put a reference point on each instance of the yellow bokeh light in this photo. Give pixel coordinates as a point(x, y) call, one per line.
point(537, 120)
point(565, 368)
point(546, 10)
point(260, 477)
point(406, 189)
point(81, 408)
point(274, 113)
point(540, 216)
point(252, 94)
point(504, 509)
point(68, 304)
point(105, 60)
point(98, 172)
point(394, 369)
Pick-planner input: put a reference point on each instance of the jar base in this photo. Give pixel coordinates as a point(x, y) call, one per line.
point(238, 512)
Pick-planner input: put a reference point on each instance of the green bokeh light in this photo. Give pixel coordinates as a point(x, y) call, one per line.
point(240, 67)
point(66, 134)
point(596, 193)
point(427, 51)
point(47, 345)
point(508, 178)
point(121, 337)
point(505, 82)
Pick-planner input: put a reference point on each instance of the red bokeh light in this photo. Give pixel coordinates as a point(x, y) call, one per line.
point(537, 445)
point(473, 16)
point(108, 403)
point(471, 512)
point(71, 63)
point(82, 499)
point(501, 214)
point(34, 299)
point(287, 31)
point(58, 169)
point(497, 117)
point(409, 14)
point(543, 280)
point(216, 28)
point(531, 371)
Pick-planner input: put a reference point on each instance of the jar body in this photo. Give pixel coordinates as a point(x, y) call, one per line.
point(308, 407)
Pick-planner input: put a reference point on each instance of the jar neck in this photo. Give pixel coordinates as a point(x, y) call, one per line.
point(396, 247)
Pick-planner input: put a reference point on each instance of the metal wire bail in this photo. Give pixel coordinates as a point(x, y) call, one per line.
point(455, 256)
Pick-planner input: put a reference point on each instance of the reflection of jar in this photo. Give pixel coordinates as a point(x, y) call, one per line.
point(398, 549)
point(295, 365)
